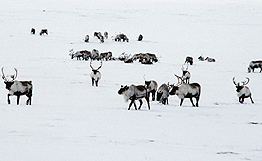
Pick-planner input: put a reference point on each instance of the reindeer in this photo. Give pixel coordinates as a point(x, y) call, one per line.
point(201, 58)
point(95, 74)
point(17, 88)
point(106, 55)
point(185, 74)
point(242, 90)
point(106, 34)
point(133, 93)
point(163, 94)
point(99, 36)
point(140, 37)
point(43, 31)
point(95, 54)
point(120, 37)
point(151, 87)
point(183, 90)
point(87, 39)
point(253, 65)
point(32, 31)
point(210, 59)
point(189, 60)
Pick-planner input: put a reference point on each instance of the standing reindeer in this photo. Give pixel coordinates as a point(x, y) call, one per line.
point(151, 87)
point(183, 90)
point(17, 88)
point(95, 74)
point(242, 90)
point(185, 74)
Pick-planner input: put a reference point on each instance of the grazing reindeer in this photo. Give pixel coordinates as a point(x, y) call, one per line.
point(183, 90)
point(185, 74)
point(210, 59)
point(17, 88)
point(189, 60)
point(163, 94)
point(95, 74)
point(151, 87)
point(242, 90)
point(253, 65)
point(43, 31)
point(134, 93)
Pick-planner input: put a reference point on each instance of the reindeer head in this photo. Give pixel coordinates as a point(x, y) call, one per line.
point(95, 70)
point(240, 86)
point(122, 89)
point(174, 88)
point(9, 81)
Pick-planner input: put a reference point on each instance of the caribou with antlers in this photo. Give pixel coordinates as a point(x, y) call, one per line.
point(242, 90)
point(17, 88)
point(183, 90)
point(95, 74)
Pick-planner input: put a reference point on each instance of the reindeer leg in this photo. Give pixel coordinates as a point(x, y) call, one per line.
point(93, 81)
point(197, 99)
point(141, 102)
point(181, 102)
point(132, 101)
point(8, 99)
point(97, 83)
point(153, 95)
point(251, 99)
point(191, 99)
point(18, 98)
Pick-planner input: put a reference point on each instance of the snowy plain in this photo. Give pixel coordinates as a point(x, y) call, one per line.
point(71, 120)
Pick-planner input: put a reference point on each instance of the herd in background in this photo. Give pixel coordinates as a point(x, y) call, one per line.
point(183, 89)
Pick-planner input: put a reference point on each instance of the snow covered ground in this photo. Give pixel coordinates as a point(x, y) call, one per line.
point(71, 120)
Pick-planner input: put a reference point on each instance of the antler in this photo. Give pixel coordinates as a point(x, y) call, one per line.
point(178, 83)
point(3, 75)
point(91, 65)
point(246, 82)
point(144, 77)
point(100, 65)
point(15, 75)
point(234, 81)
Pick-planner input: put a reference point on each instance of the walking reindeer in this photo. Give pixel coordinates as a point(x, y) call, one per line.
point(95, 74)
point(242, 90)
point(17, 88)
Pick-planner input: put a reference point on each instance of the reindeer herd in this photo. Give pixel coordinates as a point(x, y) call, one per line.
point(183, 88)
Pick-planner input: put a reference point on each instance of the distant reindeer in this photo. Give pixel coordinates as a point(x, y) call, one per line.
point(253, 65)
point(242, 90)
point(185, 74)
point(183, 90)
point(17, 88)
point(201, 58)
point(210, 59)
point(140, 38)
point(133, 93)
point(189, 60)
point(87, 39)
point(43, 31)
point(95, 74)
point(106, 34)
point(151, 87)
point(32, 31)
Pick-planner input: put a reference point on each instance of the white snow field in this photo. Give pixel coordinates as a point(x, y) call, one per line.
point(71, 120)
